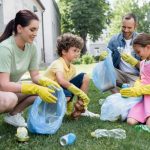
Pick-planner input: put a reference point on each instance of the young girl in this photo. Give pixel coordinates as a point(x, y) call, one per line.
point(140, 113)
point(63, 71)
point(18, 55)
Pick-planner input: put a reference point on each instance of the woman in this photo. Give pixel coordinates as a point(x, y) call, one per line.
point(18, 55)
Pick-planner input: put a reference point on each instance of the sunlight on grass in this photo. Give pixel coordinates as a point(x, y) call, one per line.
point(82, 128)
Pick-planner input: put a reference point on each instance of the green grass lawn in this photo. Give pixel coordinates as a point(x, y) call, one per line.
point(135, 140)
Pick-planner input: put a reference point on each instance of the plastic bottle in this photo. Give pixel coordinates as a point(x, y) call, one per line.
point(115, 133)
point(68, 139)
point(142, 128)
point(125, 85)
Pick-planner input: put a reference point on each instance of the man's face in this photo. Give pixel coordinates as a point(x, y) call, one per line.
point(128, 27)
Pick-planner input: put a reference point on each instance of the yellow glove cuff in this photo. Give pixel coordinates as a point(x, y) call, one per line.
point(103, 55)
point(76, 91)
point(44, 81)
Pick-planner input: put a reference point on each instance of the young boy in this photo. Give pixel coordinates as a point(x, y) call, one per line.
point(63, 71)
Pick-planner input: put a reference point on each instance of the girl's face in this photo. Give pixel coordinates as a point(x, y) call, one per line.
point(143, 52)
point(72, 54)
point(29, 32)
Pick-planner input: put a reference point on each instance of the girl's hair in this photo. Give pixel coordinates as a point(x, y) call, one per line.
point(23, 18)
point(142, 39)
point(67, 40)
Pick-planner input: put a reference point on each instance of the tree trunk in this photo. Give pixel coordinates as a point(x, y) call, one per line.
point(84, 50)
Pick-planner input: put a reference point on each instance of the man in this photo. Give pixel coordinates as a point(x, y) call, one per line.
point(124, 58)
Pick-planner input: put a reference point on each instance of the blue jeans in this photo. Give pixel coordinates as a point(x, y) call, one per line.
point(77, 81)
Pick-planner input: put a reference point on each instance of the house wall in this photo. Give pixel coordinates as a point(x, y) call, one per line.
point(94, 48)
point(51, 29)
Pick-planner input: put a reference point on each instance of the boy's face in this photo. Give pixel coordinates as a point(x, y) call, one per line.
point(72, 54)
point(143, 52)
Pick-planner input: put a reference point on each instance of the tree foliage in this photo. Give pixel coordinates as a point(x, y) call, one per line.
point(84, 17)
point(138, 7)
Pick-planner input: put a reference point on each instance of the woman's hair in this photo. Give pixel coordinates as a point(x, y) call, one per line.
point(23, 18)
point(142, 39)
point(67, 40)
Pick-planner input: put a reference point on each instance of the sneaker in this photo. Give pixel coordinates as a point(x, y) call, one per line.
point(87, 113)
point(15, 120)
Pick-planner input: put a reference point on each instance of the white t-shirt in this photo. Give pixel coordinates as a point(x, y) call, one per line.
point(124, 66)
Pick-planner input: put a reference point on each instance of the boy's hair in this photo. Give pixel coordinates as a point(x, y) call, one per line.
point(142, 39)
point(67, 40)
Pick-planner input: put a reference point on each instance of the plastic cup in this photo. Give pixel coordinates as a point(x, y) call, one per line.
point(68, 139)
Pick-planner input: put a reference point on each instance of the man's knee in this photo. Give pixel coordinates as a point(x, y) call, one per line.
point(7, 101)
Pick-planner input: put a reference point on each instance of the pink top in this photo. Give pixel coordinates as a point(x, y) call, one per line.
point(145, 72)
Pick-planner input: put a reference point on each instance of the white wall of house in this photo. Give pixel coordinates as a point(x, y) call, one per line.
point(94, 48)
point(51, 29)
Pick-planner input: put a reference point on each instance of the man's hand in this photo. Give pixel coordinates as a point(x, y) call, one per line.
point(129, 59)
point(103, 55)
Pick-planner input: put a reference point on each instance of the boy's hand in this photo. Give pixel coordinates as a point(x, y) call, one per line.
point(76, 91)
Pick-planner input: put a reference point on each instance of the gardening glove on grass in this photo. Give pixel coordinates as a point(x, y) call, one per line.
point(103, 55)
point(76, 91)
point(136, 91)
point(45, 93)
point(69, 108)
point(129, 59)
point(44, 81)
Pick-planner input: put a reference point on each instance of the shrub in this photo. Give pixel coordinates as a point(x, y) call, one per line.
point(78, 61)
point(96, 58)
point(87, 59)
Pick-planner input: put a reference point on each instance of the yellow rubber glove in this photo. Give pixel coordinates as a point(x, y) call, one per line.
point(44, 81)
point(129, 59)
point(44, 92)
point(69, 108)
point(103, 55)
point(76, 91)
point(136, 91)
point(137, 83)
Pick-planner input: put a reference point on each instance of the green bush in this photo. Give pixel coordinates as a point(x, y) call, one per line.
point(77, 61)
point(96, 58)
point(87, 59)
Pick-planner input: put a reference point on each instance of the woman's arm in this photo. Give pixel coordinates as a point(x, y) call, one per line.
point(6, 85)
point(35, 76)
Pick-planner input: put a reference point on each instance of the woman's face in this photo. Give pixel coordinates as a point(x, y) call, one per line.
point(143, 52)
point(29, 32)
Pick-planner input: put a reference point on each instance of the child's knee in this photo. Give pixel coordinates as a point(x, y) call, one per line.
point(132, 121)
point(8, 102)
point(86, 78)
